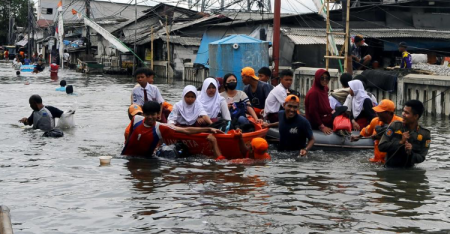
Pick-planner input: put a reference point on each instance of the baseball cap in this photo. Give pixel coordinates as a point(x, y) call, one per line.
point(248, 71)
point(134, 109)
point(292, 98)
point(385, 105)
point(260, 147)
point(402, 44)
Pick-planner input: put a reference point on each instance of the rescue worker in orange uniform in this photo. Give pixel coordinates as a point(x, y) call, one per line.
point(385, 112)
point(256, 152)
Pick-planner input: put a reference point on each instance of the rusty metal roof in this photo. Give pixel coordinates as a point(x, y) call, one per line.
point(310, 36)
point(185, 41)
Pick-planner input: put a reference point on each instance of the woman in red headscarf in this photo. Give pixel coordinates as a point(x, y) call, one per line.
point(317, 105)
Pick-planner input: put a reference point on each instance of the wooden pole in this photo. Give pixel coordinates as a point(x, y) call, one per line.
point(135, 30)
point(151, 49)
point(168, 47)
point(276, 36)
point(347, 36)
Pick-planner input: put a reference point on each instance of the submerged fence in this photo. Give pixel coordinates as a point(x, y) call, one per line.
point(433, 91)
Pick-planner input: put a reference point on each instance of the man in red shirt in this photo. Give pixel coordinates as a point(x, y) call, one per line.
point(146, 133)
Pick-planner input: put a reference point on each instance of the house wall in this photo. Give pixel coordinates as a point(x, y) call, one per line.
point(47, 4)
point(182, 54)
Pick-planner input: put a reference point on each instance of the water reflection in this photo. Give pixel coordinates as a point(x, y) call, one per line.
point(405, 189)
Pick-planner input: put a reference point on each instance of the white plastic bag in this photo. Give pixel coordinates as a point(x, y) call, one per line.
point(67, 118)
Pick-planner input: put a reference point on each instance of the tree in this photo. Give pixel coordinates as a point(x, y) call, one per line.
point(19, 10)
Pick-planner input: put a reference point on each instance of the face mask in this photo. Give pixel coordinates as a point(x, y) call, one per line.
point(231, 85)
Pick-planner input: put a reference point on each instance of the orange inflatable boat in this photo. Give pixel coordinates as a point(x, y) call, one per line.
point(228, 143)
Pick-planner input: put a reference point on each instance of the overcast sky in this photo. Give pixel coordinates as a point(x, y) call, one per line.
point(287, 6)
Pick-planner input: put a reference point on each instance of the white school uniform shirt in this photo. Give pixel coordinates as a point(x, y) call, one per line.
point(275, 100)
point(153, 94)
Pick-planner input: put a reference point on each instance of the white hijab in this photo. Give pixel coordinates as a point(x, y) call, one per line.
point(358, 99)
point(210, 104)
point(189, 113)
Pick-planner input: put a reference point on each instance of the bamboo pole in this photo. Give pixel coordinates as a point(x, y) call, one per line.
point(347, 36)
point(168, 48)
point(151, 49)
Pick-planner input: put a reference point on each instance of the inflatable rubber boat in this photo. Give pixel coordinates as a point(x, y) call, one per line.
point(228, 143)
point(332, 142)
point(27, 68)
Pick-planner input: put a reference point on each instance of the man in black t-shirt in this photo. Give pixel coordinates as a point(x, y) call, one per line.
point(295, 130)
point(256, 90)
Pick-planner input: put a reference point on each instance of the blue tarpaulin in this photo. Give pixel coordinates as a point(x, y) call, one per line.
point(203, 53)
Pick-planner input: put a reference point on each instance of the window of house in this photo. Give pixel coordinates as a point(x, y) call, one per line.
point(47, 11)
point(195, 51)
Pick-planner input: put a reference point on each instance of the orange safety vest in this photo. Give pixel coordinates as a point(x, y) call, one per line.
point(370, 131)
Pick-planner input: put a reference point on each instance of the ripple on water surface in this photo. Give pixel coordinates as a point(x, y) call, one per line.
point(57, 185)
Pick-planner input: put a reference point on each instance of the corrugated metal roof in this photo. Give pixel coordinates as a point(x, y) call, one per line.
point(307, 36)
point(185, 41)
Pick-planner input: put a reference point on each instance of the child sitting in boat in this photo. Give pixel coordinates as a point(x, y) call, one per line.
point(146, 92)
point(189, 111)
point(256, 152)
point(274, 102)
point(146, 133)
point(215, 105)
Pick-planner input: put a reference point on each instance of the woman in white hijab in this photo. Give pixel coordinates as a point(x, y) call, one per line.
point(189, 111)
point(362, 112)
point(212, 102)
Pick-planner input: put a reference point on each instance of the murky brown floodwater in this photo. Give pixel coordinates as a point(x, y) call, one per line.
point(57, 186)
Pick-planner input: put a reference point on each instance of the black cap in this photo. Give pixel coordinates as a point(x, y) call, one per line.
point(402, 44)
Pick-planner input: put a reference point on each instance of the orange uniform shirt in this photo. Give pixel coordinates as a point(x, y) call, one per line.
point(370, 131)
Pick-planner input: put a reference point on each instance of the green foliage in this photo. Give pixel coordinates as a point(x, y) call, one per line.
point(19, 9)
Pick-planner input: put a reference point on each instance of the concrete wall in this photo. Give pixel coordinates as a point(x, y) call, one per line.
point(180, 55)
point(433, 91)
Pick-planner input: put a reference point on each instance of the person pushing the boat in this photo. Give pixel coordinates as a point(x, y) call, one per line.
point(189, 111)
point(256, 152)
point(295, 130)
point(146, 132)
point(406, 142)
point(385, 112)
point(275, 99)
point(256, 90)
point(146, 92)
point(43, 117)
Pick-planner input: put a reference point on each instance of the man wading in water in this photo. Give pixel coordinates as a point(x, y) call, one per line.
point(406, 143)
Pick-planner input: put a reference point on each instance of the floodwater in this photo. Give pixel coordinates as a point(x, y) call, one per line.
point(57, 185)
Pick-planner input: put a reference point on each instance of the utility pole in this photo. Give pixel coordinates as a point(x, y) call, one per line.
point(222, 5)
point(276, 36)
point(29, 28)
point(249, 5)
point(203, 6)
point(88, 29)
point(190, 4)
point(10, 23)
point(135, 31)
